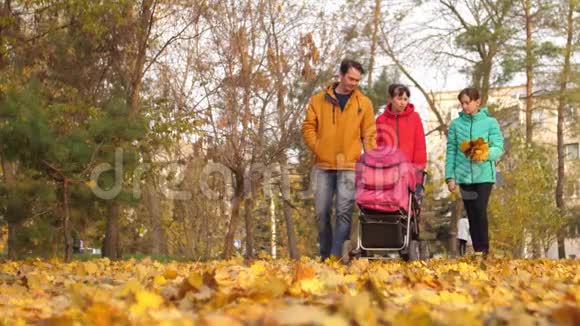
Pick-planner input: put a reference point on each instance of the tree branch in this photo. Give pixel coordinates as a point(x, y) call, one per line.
point(430, 100)
point(457, 56)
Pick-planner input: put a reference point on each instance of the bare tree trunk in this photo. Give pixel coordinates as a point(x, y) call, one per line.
point(188, 235)
point(273, 232)
point(153, 206)
point(281, 91)
point(7, 173)
point(208, 236)
point(111, 244)
point(191, 236)
point(235, 216)
point(216, 209)
point(455, 216)
point(12, 230)
point(136, 77)
point(485, 79)
point(376, 22)
point(9, 176)
point(562, 101)
point(249, 203)
point(529, 72)
point(248, 207)
point(285, 189)
point(134, 80)
point(529, 64)
point(54, 242)
point(68, 240)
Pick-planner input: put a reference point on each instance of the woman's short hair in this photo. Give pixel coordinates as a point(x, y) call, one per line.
point(470, 92)
point(396, 90)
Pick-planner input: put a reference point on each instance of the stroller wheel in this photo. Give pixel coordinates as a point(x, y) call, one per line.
point(412, 252)
point(346, 251)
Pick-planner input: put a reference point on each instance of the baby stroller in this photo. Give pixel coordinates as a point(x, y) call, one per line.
point(389, 212)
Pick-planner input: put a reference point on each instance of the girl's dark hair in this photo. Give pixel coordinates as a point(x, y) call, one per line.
point(396, 90)
point(346, 64)
point(470, 92)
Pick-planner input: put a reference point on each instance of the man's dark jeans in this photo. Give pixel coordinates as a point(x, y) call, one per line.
point(328, 184)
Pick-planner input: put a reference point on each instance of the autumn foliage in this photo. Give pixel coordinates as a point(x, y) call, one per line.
point(476, 149)
point(468, 291)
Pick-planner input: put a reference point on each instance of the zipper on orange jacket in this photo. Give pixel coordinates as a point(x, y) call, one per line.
point(333, 107)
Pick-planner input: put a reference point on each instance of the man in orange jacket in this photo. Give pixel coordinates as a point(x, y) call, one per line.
point(339, 124)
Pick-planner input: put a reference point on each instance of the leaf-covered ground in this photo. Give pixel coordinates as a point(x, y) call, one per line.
point(470, 291)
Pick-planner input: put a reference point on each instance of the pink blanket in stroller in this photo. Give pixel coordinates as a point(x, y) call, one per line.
point(384, 179)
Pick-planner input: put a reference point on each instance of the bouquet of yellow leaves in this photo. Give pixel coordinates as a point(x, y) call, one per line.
point(476, 150)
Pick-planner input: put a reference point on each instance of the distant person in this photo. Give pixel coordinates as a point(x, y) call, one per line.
point(474, 144)
point(339, 125)
point(77, 246)
point(463, 237)
point(400, 127)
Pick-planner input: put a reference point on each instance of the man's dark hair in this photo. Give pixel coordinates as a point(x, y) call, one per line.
point(346, 64)
point(396, 90)
point(470, 92)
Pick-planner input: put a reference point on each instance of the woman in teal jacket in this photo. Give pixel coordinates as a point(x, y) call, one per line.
point(470, 163)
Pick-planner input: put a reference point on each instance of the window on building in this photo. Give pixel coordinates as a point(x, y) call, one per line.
point(570, 116)
point(574, 227)
point(571, 189)
point(571, 151)
point(538, 116)
point(570, 111)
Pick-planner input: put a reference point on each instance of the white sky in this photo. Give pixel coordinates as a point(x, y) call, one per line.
point(431, 78)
